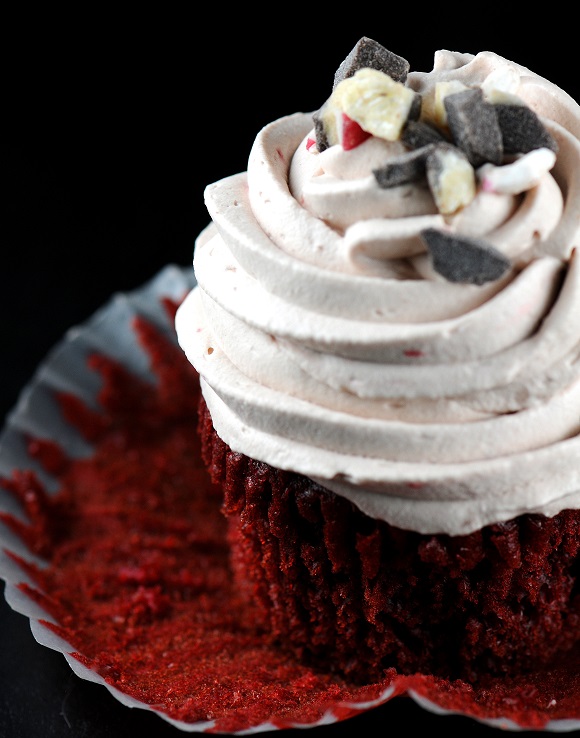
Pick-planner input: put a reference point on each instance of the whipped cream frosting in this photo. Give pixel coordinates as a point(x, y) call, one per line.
point(327, 344)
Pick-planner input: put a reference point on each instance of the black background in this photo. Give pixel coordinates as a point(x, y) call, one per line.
point(115, 126)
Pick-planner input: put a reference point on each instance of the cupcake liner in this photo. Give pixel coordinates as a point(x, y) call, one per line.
point(110, 332)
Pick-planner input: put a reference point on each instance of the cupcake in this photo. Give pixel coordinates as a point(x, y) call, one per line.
point(386, 325)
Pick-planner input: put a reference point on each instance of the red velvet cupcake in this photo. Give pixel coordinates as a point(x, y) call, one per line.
point(358, 595)
point(385, 325)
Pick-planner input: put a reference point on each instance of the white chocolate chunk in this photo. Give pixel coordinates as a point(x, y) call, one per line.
point(519, 176)
point(433, 109)
point(506, 98)
point(376, 102)
point(502, 85)
point(451, 179)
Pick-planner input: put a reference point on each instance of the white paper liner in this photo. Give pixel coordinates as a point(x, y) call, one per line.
point(65, 368)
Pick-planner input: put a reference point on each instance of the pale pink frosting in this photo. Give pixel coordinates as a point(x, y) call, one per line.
point(328, 345)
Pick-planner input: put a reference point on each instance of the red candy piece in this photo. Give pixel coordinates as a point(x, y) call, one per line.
point(351, 134)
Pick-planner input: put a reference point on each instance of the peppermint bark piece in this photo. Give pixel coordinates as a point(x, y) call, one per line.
point(522, 130)
point(407, 167)
point(451, 178)
point(464, 259)
point(370, 98)
point(369, 53)
point(378, 103)
point(474, 126)
point(521, 175)
point(419, 133)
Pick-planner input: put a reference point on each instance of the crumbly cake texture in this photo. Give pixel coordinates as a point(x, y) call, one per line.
point(358, 596)
point(135, 576)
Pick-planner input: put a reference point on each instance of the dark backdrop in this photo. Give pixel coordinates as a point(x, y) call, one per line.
point(115, 125)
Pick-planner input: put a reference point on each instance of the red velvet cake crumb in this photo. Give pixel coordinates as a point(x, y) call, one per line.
point(139, 572)
point(138, 577)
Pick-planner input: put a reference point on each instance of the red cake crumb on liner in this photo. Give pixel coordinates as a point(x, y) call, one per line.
point(111, 536)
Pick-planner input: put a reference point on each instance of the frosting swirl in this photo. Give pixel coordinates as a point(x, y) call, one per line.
point(328, 344)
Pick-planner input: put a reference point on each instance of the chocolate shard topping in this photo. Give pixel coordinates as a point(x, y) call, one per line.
point(407, 167)
point(474, 126)
point(464, 259)
point(369, 53)
point(415, 110)
point(522, 130)
point(418, 133)
point(322, 142)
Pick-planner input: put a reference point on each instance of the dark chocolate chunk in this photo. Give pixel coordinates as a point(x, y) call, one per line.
point(464, 259)
point(322, 142)
point(522, 130)
point(415, 109)
point(369, 53)
point(418, 133)
point(405, 168)
point(474, 126)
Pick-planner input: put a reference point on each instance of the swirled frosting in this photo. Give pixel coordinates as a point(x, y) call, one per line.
point(328, 344)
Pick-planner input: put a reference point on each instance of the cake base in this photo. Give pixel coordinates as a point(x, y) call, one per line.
point(356, 595)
